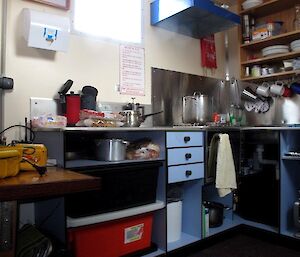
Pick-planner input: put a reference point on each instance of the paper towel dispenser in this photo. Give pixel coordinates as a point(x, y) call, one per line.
point(194, 18)
point(46, 31)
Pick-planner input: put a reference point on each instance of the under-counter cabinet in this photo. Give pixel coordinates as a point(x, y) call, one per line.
point(185, 161)
point(132, 197)
point(289, 181)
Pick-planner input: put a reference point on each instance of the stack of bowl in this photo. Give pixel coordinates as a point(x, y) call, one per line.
point(251, 3)
point(295, 45)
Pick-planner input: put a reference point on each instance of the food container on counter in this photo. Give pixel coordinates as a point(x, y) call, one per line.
point(111, 149)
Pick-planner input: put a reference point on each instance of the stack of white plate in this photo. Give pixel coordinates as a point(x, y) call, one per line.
point(295, 45)
point(251, 3)
point(276, 49)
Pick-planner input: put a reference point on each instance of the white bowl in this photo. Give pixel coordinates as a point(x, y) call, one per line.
point(251, 3)
point(295, 42)
point(276, 49)
point(296, 48)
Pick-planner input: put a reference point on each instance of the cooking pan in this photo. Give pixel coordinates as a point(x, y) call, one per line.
point(216, 213)
point(135, 118)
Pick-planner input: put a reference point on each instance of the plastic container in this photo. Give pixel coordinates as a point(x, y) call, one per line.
point(123, 186)
point(174, 221)
point(112, 239)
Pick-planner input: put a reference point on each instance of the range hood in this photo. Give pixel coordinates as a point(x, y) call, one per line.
point(194, 18)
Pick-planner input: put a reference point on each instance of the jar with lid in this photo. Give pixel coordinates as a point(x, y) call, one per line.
point(297, 17)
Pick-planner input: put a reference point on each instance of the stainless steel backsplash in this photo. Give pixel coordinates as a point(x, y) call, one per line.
point(168, 88)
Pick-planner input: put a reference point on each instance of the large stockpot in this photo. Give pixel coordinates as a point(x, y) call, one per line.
point(197, 108)
point(111, 149)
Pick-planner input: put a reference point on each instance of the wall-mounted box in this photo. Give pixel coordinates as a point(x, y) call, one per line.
point(46, 31)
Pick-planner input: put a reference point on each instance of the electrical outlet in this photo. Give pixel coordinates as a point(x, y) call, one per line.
point(42, 106)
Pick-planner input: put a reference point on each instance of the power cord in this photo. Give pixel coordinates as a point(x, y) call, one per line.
point(32, 134)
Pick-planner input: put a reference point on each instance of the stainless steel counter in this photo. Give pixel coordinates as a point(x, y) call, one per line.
point(174, 128)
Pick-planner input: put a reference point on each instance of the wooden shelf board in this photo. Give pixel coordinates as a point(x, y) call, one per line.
point(275, 76)
point(272, 58)
point(270, 7)
point(284, 38)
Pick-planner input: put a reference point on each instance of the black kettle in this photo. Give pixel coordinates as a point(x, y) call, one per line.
point(216, 213)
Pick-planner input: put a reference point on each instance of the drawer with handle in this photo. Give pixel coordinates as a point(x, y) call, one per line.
point(184, 139)
point(185, 155)
point(185, 172)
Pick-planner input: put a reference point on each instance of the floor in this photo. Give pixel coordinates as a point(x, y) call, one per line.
point(244, 243)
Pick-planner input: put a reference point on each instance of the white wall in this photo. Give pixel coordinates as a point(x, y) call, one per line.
point(41, 73)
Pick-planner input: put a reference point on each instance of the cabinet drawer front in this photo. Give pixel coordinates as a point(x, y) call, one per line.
point(185, 172)
point(184, 139)
point(185, 155)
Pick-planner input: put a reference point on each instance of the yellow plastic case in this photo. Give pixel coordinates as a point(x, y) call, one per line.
point(9, 163)
point(36, 153)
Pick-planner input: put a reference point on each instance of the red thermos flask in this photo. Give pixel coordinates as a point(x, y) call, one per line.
point(72, 108)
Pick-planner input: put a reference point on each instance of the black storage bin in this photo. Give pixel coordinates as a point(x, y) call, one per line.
point(122, 186)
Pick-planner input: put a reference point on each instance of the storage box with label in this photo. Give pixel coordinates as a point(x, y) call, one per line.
point(113, 238)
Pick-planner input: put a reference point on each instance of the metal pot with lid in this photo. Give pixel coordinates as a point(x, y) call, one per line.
point(134, 114)
point(197, 108)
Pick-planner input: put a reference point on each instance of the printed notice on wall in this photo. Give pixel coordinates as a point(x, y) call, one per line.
point(132, 70)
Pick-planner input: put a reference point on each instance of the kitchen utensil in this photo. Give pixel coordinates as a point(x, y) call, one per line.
point(277, 89)
point(216, 213)
point(88, 98)
point(111, 149)
point(295, 87)
point(70, 103)
point(248, 95)
point(197, 108)
point(256, 71)
point(72, 108)
point(288, 92)
point(263, 89)
point(251, 3)
point(135, 118)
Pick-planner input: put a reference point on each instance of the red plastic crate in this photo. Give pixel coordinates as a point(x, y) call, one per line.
point(112, 239)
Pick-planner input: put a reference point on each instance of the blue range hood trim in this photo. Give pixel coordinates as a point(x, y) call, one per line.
point(194, 18)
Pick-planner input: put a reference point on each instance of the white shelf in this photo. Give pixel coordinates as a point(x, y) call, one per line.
point(158, 252)
point(77, 222)
point(227, 224)
point(185, 239)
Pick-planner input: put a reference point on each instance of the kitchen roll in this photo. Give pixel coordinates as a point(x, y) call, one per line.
point(174, 221)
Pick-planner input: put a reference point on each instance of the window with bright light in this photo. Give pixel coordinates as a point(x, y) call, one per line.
point(118, 19)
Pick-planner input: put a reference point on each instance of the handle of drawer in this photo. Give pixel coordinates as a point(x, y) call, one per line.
point(186, 139)
point(188, 156)
point(188, 173)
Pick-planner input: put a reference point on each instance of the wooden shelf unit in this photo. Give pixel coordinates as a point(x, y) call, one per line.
point(274, 76)
point(251, 53)
point(269, 7)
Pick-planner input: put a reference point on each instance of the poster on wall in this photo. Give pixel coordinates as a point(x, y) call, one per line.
point(132, 70)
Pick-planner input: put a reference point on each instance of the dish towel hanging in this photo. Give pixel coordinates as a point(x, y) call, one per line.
point(225, 171)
